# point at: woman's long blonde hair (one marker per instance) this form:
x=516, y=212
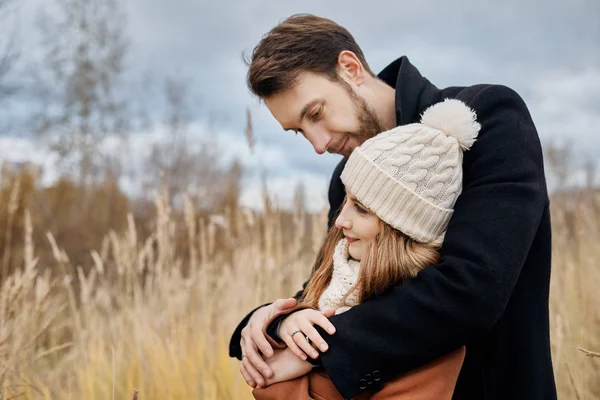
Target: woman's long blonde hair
x=390, y=259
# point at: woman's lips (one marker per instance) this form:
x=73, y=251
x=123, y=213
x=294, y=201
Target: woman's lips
x=351, y=240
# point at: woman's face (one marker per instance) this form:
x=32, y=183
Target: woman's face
x=360, y=226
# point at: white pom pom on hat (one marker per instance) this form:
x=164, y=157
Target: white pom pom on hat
x=455, y=119
x=412, y=175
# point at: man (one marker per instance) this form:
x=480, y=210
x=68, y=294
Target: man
x=490, y=289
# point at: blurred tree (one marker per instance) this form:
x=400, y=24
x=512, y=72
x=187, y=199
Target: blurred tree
x=82, y=70
x=180, y=164
x=17, y=190
x=232, y=187
x=8, y=53
x=299, y=203
x=590, y=168
x=559, y=159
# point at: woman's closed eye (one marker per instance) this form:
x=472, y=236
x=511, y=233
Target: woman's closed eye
x=360, y=209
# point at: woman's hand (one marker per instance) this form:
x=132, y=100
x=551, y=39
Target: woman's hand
x=286, y=366
x=297, y=327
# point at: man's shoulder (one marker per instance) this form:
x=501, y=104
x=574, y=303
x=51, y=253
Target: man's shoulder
x=504, y=117
x=483, y=95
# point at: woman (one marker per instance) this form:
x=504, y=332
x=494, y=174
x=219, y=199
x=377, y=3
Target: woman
x=401, y=187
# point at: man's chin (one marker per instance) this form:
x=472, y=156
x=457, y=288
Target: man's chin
x=347, y=153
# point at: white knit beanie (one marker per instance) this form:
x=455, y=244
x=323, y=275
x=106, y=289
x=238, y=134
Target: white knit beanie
x=411, y=176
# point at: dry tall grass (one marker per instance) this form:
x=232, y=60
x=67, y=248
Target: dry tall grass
x=574, y=296
x=145, y=316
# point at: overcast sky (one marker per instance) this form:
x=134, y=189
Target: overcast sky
x=549, y=51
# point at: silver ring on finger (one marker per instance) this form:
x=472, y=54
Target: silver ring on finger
x=296, y=331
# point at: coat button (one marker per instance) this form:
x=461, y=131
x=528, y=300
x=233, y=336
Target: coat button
x=362, y=384
x=376, y=376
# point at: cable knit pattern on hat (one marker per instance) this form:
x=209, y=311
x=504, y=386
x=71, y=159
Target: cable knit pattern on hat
x=345, y=275
x=411, y=176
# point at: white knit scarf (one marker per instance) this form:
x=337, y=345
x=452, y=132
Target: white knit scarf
x=345, y=275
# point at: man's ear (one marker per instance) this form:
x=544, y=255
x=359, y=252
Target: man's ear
x=350, y=68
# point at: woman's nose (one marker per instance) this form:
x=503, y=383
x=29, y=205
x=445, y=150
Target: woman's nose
x=343, y=223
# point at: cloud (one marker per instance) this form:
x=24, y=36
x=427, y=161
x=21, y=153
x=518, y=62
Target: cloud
x=282, y=191
x=269, y=162
x=548, y=53
x=566, y=107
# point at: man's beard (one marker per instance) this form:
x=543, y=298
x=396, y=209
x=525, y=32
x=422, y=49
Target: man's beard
x=369, y=124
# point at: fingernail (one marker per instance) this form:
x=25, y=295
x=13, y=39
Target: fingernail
x=331, y=330
x=323, y=347
x=267, y=373
x=304, y=358
x=315, y=355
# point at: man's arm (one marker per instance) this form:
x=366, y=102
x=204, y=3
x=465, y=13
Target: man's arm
x=235, y=349
x=488, y=239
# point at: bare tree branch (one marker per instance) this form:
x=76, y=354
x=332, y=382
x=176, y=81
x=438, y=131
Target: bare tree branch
x=8, y=52
x=178, y=163
x=85, y=48
x=590, y=168
x=560, y=161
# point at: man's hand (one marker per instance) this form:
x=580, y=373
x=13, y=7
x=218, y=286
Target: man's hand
x=286, y=366
x=295, y=328
x=253, y=367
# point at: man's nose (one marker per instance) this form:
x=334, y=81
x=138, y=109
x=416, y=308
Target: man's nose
x=320, y=140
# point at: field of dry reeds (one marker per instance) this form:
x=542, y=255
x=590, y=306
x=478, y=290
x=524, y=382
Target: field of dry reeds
x=151, y=308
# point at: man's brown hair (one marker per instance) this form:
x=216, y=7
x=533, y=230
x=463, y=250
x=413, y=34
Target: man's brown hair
x=301, y=43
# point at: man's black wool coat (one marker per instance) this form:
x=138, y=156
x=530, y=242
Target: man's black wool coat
x=490, y=289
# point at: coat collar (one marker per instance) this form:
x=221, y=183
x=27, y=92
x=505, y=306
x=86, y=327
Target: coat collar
x=414, y=93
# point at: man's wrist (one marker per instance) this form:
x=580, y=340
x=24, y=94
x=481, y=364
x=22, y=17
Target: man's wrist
x=273, y=328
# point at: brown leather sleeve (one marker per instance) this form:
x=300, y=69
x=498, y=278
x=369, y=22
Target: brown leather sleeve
x=435, y=380
x=314, y=386
x=288, y=311
x=296, y=389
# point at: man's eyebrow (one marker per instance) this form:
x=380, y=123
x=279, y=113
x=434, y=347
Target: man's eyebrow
x=305, y=110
